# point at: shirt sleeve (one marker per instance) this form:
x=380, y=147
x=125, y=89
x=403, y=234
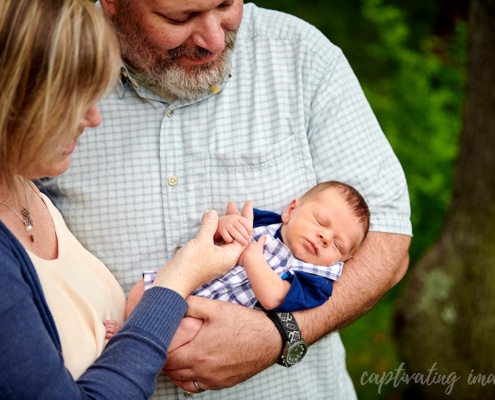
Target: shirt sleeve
x=342, y=123
x=306, y=291
x=264, y=218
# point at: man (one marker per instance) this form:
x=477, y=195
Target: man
x=221, y=101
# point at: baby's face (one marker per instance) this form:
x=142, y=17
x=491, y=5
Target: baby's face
x=322, y=230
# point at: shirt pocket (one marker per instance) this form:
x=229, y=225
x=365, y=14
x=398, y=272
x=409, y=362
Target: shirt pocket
x=271, y=177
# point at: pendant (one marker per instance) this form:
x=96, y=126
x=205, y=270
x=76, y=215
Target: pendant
x=28, y=222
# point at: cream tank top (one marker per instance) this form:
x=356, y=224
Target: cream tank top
x=81, y=293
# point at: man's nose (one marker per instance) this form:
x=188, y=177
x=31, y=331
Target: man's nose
x=209, y=33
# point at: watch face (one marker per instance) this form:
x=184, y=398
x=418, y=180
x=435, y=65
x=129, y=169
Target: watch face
x=296, y=352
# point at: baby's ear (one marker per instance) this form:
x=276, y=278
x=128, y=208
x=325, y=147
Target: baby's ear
x=288, y=211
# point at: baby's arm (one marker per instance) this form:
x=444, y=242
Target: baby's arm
x=269, y=288
x=234, y=226
x=135, y=295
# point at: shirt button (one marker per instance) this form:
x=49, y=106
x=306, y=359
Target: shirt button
x=177, y=249
x=172, y=180
x=169, y=113
x=188, y=394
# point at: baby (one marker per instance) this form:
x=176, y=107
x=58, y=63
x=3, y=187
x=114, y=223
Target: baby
x=306, y=245
x=290, y=260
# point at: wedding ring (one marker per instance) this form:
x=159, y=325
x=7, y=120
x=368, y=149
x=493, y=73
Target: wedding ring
x=196, y=384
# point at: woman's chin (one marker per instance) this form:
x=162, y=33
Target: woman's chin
x=54, y=169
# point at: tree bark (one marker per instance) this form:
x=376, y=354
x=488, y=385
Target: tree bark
x=445, y=318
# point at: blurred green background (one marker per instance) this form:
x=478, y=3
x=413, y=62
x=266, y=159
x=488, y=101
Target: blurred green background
x=410, y=59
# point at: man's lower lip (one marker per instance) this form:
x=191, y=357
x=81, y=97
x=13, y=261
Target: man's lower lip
x=199, y=61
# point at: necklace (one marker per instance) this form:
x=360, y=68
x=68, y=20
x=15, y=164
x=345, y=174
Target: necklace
x=24, y=216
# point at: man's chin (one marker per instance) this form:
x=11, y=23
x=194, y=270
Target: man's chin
x=190, y=85
x=182, y=80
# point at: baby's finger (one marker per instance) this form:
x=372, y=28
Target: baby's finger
x=261, y=242
x=232, y=209
x=247, y=211
x=226, y=236
x=241, y=237
x=246, y=227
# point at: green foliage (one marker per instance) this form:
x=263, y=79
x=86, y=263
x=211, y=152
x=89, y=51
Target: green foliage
x=418, y=101
x=371, y=351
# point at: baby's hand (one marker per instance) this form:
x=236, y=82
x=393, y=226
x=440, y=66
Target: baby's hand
x=252, y=250
x=234, y=226
x=112, y=327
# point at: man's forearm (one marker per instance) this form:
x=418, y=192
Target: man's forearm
x=380, y=263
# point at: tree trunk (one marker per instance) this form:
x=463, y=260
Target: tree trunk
x=445, y=318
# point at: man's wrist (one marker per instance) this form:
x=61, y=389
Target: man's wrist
x=294, y=346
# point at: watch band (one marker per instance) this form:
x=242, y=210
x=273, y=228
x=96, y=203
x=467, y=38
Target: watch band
x=293, y=345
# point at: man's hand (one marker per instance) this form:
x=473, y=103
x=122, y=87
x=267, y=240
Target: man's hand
x=188, y=329
x=233, y=344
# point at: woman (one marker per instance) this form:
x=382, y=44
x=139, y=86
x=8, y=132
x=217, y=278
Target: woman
x=57, y=58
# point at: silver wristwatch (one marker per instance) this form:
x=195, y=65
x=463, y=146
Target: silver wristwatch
x=293, y=345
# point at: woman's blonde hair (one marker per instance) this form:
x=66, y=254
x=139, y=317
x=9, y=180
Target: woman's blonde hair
x=57, y=58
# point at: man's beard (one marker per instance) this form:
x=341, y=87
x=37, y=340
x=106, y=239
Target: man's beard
x=162, y=73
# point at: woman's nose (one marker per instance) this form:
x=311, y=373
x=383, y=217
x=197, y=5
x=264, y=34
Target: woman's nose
x=92, y=117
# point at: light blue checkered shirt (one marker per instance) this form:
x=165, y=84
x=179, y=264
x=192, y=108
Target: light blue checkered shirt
x=290, y=115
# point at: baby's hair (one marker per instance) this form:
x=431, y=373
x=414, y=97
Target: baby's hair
x=351, y=196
